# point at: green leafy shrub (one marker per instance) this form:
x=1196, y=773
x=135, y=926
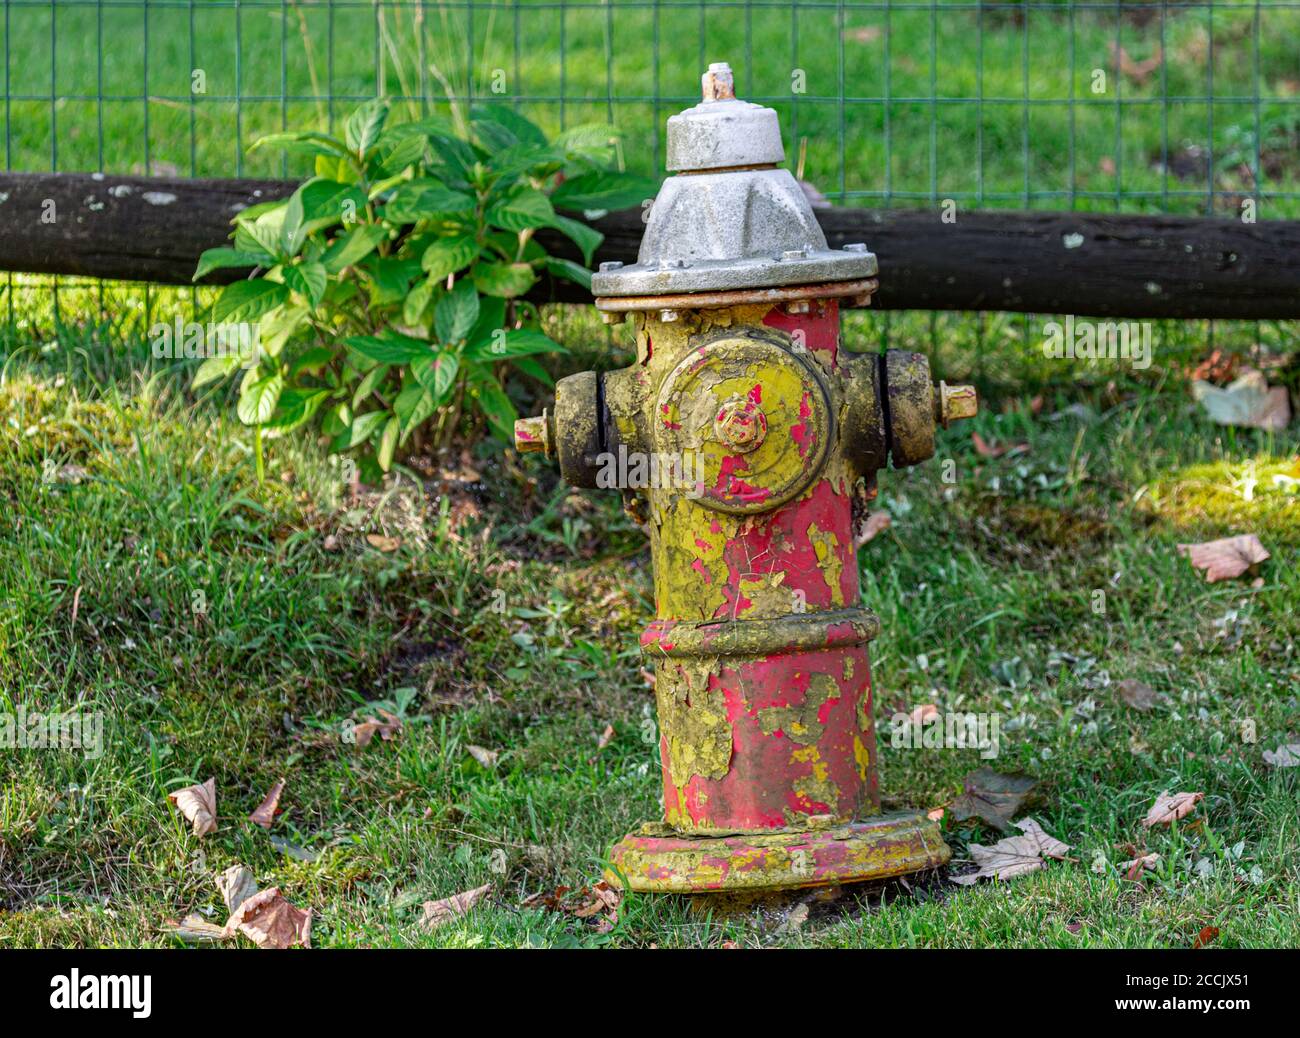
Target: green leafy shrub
x=387, y=291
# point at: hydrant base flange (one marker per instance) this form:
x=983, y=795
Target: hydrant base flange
x=657, y=859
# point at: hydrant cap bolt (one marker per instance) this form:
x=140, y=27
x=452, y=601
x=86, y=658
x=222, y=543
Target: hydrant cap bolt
x=740, y=425
x=952, y=403
x=718, y=83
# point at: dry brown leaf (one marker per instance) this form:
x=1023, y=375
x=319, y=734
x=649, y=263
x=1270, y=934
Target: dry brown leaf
x=992, y=797
x=436, y=913
x=605, y=737
x=991, y=450
x=1136, y=694
x=237, y=885
x=264, y=814
x=486, y=757
x=195, y=928
x=381, y=543
x=270, y=921
x=1287, y=756
x=1144, y=863
x=198, y=804
x=1170, y=807
x=877, y=523
x=1225, y=558
x=386, y=729
x=1015, y=855
x=1138, y=71
x=1207, y=934
x=1247, y=401
x=923, y=713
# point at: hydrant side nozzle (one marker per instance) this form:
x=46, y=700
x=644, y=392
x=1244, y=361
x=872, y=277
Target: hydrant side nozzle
x=954, y=403
x=534, y=434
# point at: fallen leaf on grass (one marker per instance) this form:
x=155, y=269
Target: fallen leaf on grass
x=992, y=797
x=264, y=814
x=876, y=523
x=436, y=913
x=1207, y=934
x=1287, y=756
x=1144, y=863
x=600, y=899
x=923, y=713
x=1136, y=694
x=1225, y=558
x=990, y=450
x=1248, y=401
x=237, y=885
x=198, y=805
x=195, y=928
x=381, y=543
x=386, y=729
x=486, y=757
x=270, y=921
x=1015, y=855
x=1138, y=71
x=605, y=737
x=1170, y=807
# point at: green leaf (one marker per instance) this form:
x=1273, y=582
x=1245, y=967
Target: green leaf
x=496, y=407
x=455, y=313
x=309, y=280
x=363, y=427
x=313, y=362
x=294, y=408
x=258, y=394
x=215, y=368
x=448, y=255
x=390, y=278
x=508, y=125
x=416, y=303
x=313, y=143
x=567, y=269
x=388, y=443
x=413, y=406
x=517, y=342
x=369, y=384
x=389, y=347
x=263, y=233
x=395, y=152
x=222, y=257
x=591, y=141
x=437, y=374
x=530, y=367
x=326, y=202
x=248, y=300
x=279, y=325
x=491, y=316
x=587, y=238
x=604, y=189
x=507, y=280
x=426, y=199
x=523, y=209
x=365, y=125
x=353, y=246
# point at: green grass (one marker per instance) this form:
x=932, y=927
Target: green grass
x=296, y=641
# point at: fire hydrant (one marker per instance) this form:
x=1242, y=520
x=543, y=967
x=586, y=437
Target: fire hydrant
x=761, y=438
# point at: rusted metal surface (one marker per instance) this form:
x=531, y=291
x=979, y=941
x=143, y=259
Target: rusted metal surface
x=659, y=860
x=860, y=291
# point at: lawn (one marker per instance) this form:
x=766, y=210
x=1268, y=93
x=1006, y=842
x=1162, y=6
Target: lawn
x=241, y=631
x=236, y=631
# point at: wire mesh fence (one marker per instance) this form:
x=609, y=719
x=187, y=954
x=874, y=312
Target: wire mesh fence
x=1177, y=107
